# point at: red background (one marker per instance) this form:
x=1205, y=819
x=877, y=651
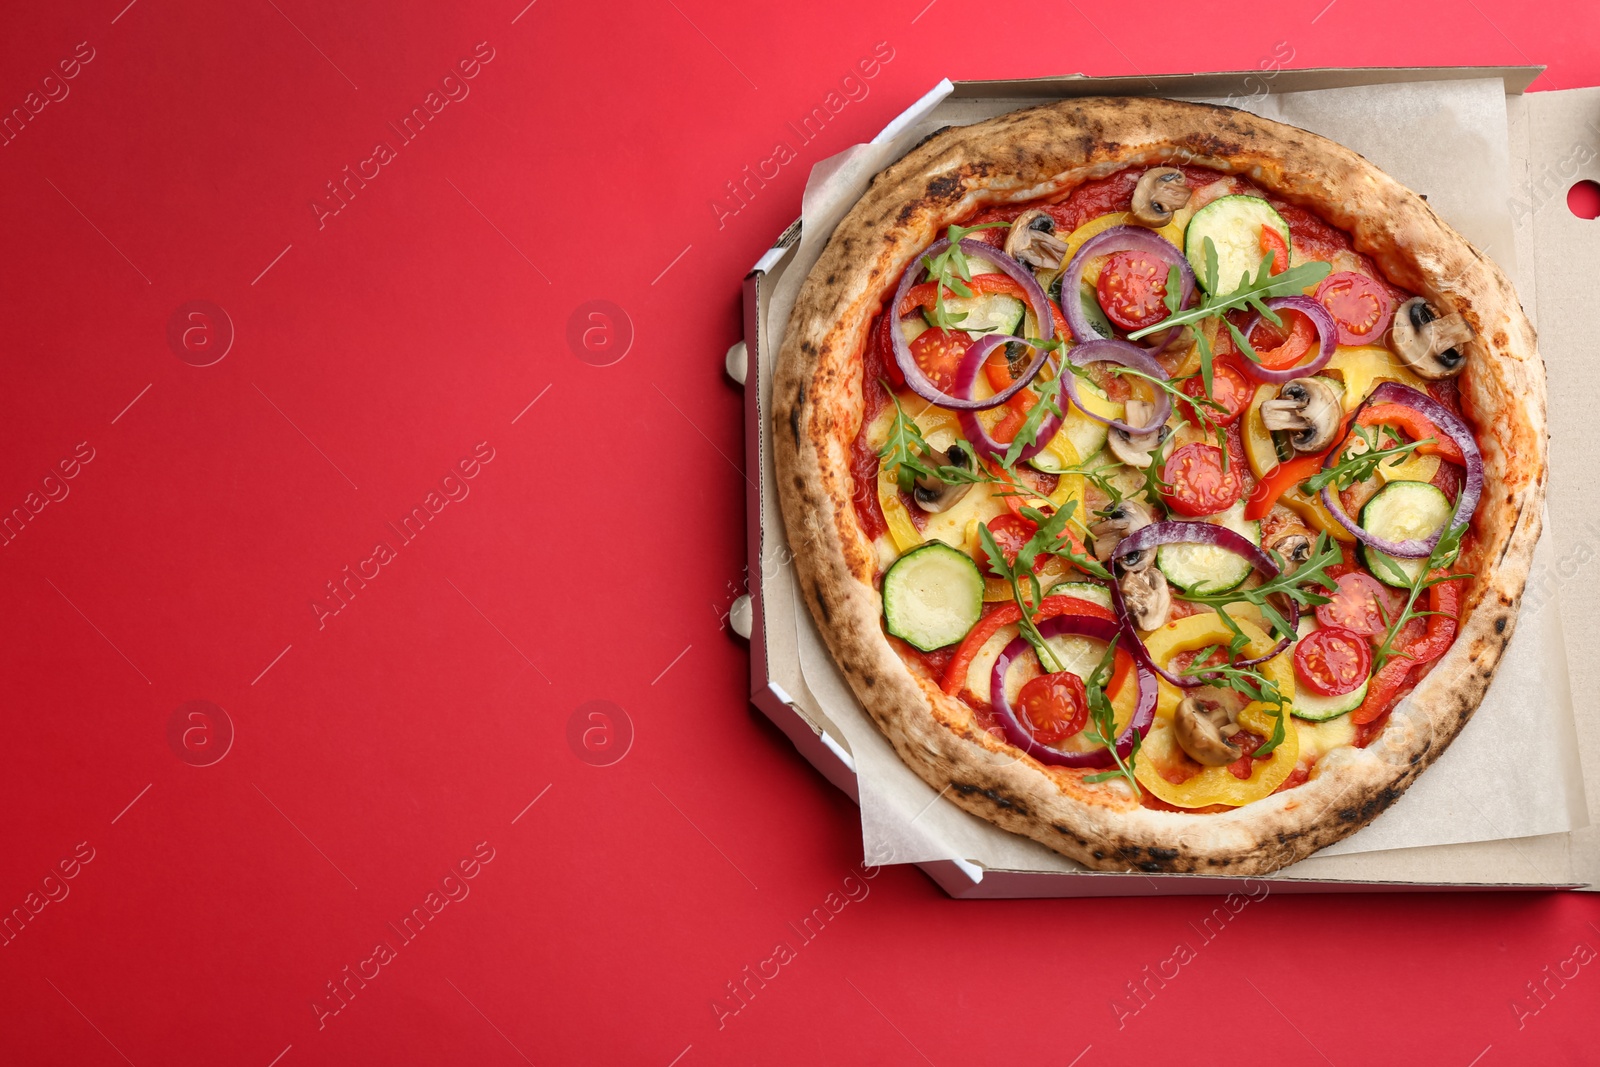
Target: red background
x=593, y=560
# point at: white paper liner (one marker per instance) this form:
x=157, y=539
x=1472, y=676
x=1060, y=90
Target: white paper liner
x=1513, y=772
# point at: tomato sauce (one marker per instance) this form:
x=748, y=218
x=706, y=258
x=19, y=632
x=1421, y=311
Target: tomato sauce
x=1311, y=236
x=984, y=715
x=863, y=456
x=1088, y=201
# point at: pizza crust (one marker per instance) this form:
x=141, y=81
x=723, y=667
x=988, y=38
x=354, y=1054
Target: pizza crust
x=1045, y=152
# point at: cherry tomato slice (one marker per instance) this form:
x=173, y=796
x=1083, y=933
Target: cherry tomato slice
x=1198, y=485
x=1358, y=605
x=1361, y=307
x=1272, y=241
x=1332, y=661
x=1230, y=387
x=1131, y=288
x=939, y=353
x=1053, y=707
x=1010, y=532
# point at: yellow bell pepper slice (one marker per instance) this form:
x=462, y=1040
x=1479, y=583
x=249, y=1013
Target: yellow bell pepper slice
x=902, y=531
x=1075, y=240
x=1361, y=368
x=1216, y=785
x=1259, y=450
x=1262, y=456
x=1413, y=466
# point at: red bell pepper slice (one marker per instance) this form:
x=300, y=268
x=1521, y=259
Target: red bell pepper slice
x=1417, y=425
x=956, y=673
x=1272, y=241
x=1382, y=692
x=1267, y=491
x=923, y=296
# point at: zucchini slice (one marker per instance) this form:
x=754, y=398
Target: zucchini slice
x=986, y=313
x=1207, y=568
x=1234, y=225
x=1094, y=594
x=1316, y=708
x=932, y=596
x=1401, y=511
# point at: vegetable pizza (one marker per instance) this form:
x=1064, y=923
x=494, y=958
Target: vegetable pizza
x=1164, y=479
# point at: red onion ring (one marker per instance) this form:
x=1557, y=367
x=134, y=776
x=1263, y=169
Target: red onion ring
x=1144, y=711
x=1447, y=422
x=1192, y=533
x=971, y=428
x=1327, y=338
x=919, y=382
x=1119, y=239
x=1127, y=354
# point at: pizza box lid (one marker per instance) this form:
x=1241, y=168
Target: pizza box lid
x=1551, y=253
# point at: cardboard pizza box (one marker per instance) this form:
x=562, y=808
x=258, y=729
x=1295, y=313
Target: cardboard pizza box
x=1551, y=254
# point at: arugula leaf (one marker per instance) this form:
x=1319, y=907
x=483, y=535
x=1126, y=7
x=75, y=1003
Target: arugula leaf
x=1051, y=539
x=1049, y=404
x=1104, y=717
x=1443, y=554
x=1251, y=293
x=902, y=453
x=1313, y=572
x=951, y=271
x=1361, y=466
x=1014, y=573
x=1174, y=289
x=1248, y=682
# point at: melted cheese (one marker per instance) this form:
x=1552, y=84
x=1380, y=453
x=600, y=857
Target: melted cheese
x=1317, y=739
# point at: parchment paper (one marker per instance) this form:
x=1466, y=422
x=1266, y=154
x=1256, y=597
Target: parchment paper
x=1513, y=771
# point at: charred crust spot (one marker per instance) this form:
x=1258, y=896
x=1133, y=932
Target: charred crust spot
x=822, y=606
x=868, y=680
x=794, y=413
x=1372, y=807
x=993, y=797
x=832, y=279
x=1168, y=854
x=1500, y=624
x=1151, y=866
x=928, y=138
x=944, y=187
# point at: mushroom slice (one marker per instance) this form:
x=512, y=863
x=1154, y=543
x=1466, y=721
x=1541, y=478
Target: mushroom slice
x=1289, y=537
x=1204, y=722
x=935, y=494
x=1430, y=345
x=1032, y=240
x=1293, y=546
x=1145, y=593
x=1160, y=192
x=1309, y=409
x=1124, y=518
x=1135, y=449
